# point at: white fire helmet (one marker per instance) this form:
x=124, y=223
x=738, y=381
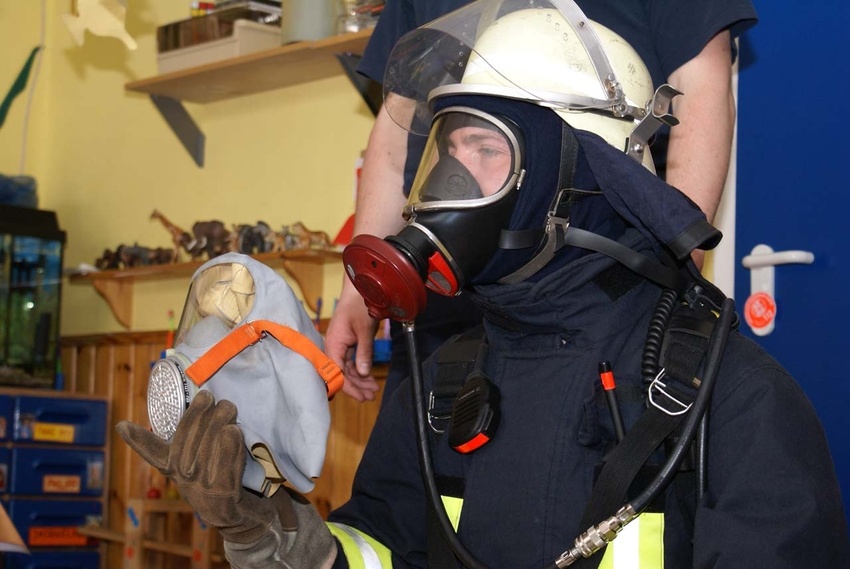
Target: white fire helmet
x=245, y=337
x=542, y=51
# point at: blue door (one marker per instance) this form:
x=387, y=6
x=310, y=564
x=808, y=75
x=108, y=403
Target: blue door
x=793, y=193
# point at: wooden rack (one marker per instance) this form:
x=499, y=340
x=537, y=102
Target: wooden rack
x=116, y=285
x=145, y=533
x=291, y=64
x=284, y=66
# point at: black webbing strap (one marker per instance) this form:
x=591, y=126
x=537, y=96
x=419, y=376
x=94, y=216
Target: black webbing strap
x=683, y=351
x=620, y=469
x=455, y=361
x=440, y=554
x=684, y=347
x=685, y=344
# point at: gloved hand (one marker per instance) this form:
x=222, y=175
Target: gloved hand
x=206, y=460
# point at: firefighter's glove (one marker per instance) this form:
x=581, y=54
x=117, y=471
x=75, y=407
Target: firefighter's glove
x=206, y=460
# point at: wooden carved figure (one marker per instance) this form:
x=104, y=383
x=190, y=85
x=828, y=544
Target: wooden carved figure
x=210, y=237
x=180, y=237
x=297, y=236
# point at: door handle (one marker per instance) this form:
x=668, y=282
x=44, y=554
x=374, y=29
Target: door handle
x=768, y=258
x=760, y=308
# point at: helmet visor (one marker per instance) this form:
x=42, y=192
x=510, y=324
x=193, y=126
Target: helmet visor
x=458, y=49
x=471, y=158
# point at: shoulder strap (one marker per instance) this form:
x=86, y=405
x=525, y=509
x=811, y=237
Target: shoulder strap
x=455, y=361
x=683, y=350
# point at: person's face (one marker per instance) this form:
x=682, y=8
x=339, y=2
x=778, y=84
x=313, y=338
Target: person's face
x=485, y=153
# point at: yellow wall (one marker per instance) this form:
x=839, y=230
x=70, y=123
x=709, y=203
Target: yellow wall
x=104, y=158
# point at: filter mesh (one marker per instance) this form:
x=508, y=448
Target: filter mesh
x=167, y=398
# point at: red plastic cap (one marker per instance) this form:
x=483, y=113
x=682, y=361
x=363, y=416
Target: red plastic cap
x=385, y=278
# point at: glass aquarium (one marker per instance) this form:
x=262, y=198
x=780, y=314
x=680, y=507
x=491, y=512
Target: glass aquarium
x=31, y=246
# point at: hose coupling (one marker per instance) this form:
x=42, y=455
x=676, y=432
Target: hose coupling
x=597, y=537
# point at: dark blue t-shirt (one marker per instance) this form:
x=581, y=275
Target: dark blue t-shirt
x=665, y=33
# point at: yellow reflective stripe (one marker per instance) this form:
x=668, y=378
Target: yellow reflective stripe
x=639, y=546
x=607, y=559
x=652, y=540
x=362, y=551
x=453, y=508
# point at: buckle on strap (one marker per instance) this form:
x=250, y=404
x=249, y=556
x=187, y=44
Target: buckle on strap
x=665, y=398
x=434, y=416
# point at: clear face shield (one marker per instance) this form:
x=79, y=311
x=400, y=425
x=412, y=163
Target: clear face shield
x=460, y=49
x=471, y=159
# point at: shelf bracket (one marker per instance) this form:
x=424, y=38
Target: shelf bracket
x=308, y=276
x=182, y=125
x=119, y=296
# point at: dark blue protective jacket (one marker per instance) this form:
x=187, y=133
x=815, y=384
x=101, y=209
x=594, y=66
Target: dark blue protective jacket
x=772, y=501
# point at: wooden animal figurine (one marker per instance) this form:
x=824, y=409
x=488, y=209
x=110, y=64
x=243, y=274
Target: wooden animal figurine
x=251, y=239
x=128, y=256
x=109, y=260
x=179, y=237
x=210, y=237
x=297, y=236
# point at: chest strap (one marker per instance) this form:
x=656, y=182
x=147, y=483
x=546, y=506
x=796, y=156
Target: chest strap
x=456, y=361
x=669, y=399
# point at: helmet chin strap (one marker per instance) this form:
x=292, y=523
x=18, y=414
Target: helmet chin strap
x=558, y=233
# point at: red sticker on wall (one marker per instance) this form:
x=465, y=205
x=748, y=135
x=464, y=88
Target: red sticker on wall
x=760, y=310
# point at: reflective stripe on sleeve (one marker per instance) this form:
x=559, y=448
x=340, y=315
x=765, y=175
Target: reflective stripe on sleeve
x=361, y=550
x=639, y=546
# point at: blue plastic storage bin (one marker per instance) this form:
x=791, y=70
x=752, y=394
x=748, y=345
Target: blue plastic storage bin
x=6, y=404
x=51, y=524
x=56, y=472
x=5, y=469
x=60, y=421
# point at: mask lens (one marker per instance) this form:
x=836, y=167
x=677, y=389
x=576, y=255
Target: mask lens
x=469, y=158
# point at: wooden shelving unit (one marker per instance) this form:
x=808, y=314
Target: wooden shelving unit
x=288, y=65
x=116, y=286
x=142, y=529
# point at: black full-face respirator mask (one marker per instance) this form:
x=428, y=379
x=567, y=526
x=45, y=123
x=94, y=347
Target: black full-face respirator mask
x=462, y=198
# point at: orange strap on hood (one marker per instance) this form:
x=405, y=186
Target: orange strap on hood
x=252, y=332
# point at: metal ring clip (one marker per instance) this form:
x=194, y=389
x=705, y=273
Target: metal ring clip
x=659, y=386
x=432, y=417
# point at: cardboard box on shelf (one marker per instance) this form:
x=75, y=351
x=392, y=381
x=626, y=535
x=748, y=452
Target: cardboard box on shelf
x=247, y=37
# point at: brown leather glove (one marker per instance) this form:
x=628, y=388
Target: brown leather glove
x=206, y=460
